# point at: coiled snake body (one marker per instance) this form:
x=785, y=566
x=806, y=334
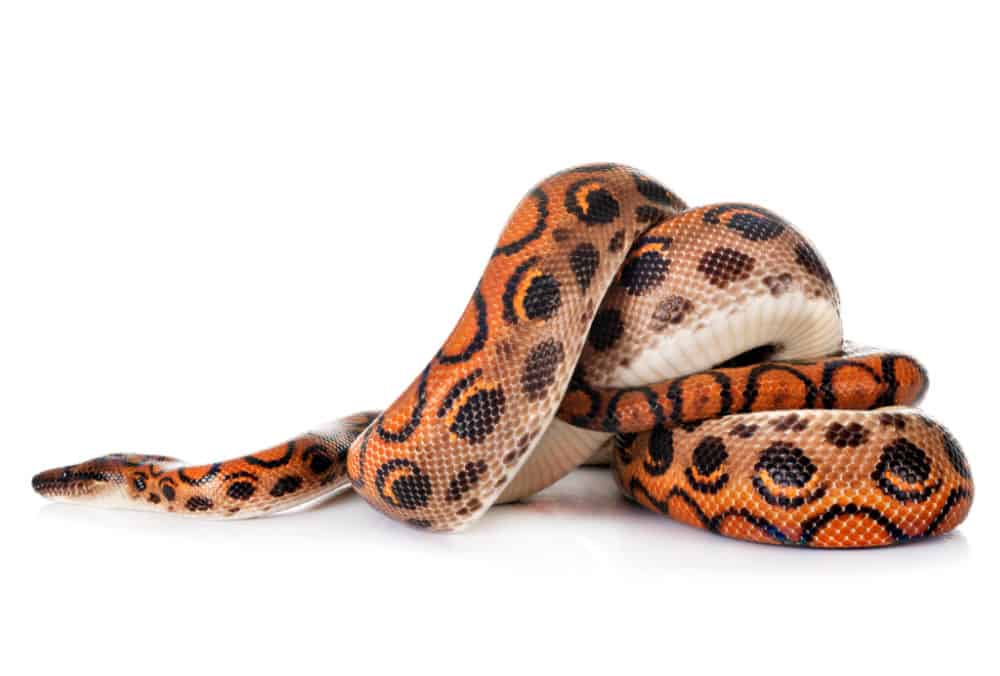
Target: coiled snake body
x=698, y=350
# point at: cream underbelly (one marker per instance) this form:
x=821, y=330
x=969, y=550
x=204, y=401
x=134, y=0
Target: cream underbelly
x=798, y=327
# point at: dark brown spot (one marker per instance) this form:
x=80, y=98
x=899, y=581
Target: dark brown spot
x=724, y=265
x=584, y=261
x=540, y=368
x=851, y=434
x=790, y=422
x=786, y=464
x=240, y=490
x=643, y=273
x=709, y=455
x=479, y=415
x=617, y=242
x=892, y=420
x=673, y=310
x=778, y=284
x=465, y=479
x=285, y=485
x=743, y=430
x=907, y=461
x=542, y=298
x=199, y=503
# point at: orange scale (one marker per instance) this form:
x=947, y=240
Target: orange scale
x=632, y=412
x=910, y=381
x=856, y=388
x=466, y=332
x=576, y=403
x=955, y=516
x=701, y=397
x=583, y=192
x=522, y=222
x=777, y=390
x=851, y=530
x=681, y=511
x=907, y=487
x=735, y=526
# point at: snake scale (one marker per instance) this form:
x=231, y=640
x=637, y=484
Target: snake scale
x=699, y=351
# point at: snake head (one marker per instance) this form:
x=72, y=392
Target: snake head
x=92, y=479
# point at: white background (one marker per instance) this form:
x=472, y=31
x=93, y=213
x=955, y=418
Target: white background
x=223, y=223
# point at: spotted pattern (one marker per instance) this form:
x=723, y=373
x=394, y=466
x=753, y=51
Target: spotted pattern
x=273, y=480
x=584, y=260
x=597, y=266
x=541, y=366
x=725, y=265
x=751, y=222
x=885, y=489
x=672, y=310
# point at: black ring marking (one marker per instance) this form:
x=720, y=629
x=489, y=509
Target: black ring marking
x=751, y=391
x=456, y=391
x=831, y=368
x=610, y=423
x=510, y=290
x=408, y=492
x=675, y=393
x=203, y=479
x=602, y=207
x=787, y=466
x=542, y=205
x=415, y=416
x=708, y=457
x=904, y=456
x=711, y=524
x=954, y=496
x=478, y=341
x=661, y=450
x=278, y=462
x=812, y=526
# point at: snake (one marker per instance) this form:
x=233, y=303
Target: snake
x=698, y=351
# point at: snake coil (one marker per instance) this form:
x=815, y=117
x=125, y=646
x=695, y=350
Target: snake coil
x=699, y=351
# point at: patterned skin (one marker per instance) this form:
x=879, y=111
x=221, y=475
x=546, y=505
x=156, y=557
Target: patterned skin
x=856, y=379
x=306, y=468
x=816, y=478
x=609, y=303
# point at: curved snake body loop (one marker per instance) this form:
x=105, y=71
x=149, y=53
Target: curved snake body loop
x=697, y=350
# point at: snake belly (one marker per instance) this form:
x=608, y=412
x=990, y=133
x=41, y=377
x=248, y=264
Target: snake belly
x=614, y=324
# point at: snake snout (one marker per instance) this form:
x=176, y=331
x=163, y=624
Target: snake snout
x=74, y=481
x=50, y=482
